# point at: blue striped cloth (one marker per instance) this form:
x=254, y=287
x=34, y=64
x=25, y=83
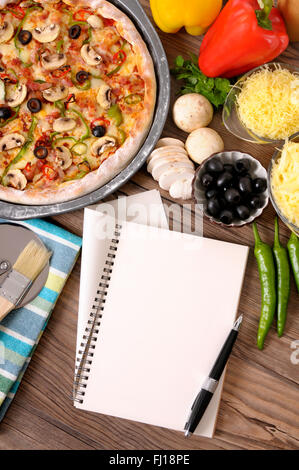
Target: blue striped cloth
x=22, y=329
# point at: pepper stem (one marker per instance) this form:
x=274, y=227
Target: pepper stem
x=263, y=14
x=293, y=238
x=257, y=238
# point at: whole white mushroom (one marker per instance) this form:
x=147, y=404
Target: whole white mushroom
x=202, y=143
x=192, y=111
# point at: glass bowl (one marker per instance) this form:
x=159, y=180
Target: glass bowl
x=276, y=155
x=230, y=114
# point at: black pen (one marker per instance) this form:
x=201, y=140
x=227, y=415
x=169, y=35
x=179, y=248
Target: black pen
x=208, y=389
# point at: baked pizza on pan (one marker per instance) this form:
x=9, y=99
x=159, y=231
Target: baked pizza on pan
x=77, y=96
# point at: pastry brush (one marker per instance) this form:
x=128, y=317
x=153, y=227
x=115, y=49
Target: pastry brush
x=28, y=266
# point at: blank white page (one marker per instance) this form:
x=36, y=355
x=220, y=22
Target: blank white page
x=171, y=303
x=144, y=208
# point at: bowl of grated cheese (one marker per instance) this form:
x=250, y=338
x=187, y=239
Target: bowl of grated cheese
x=283, y=182
x=263, y=106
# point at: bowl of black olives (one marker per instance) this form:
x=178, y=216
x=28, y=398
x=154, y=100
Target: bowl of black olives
x=232, y=187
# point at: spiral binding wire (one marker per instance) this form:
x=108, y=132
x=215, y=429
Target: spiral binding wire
x=88, y=344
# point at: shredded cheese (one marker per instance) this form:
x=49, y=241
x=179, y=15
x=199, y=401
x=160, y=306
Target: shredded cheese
x=285, y=182
x=268, y=103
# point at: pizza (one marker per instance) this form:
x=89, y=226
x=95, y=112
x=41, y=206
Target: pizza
x=77, y=96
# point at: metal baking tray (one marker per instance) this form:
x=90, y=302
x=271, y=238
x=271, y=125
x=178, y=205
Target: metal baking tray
x=134, y=10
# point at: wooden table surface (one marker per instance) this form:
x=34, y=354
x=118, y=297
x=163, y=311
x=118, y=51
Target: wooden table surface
x=259, y=407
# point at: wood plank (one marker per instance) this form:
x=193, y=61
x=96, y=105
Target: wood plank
x=259, y=407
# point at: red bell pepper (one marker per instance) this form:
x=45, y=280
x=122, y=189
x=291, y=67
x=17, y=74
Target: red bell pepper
x=81, y=15
x=243, y=37
x=120, y=57
x=49, y=172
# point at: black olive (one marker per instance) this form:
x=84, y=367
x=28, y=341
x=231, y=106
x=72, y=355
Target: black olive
x=242, y=166
x=207, y=180
x=34, y=105
x=24, y=37
x=228, y=186
x=75, y=31
x=82, y=76
x=41, y=152
x=99, y=131
x=229, y=168
x=232, y=196
x=242, y=212
x=211, y=193
x=223, y=203
x=5, y=112
x=255, y=202
x=224, y=180
x=226, y=216
x=213, y=207
x=245, y=185
x=259, y=185
x=214, y=166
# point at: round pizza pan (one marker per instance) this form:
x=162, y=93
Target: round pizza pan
x=133, y=9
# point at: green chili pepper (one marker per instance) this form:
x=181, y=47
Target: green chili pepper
x=89, y=38
x=52, y=135
x=114, y=71
x=293, y=249
x=68, y=13
x=72, y=22
x=59, y=45
x=16, y=110
x=39, y=81
x=283, y=280
x=115, y=113
x=84, y=86
x=78, y=176
x=134, y=98
x=87, y=133
x=28, y=11
x=24, y=149
x=123, y=136
x=266, y=267
x=59, y=139
x=60, y=106
x=79, y=22
x=82, y=147
x=14, y=74
x=68, y=137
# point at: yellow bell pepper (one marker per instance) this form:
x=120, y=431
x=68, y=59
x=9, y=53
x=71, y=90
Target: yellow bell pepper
x=195, y=15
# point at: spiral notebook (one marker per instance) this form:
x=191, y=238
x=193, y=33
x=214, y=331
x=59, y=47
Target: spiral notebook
x=164, y=305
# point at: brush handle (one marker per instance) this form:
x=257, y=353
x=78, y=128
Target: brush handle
x=5, y=307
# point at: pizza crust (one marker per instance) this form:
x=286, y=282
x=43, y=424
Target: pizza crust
x=124, y=155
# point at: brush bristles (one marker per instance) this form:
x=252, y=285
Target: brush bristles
x=32, y=260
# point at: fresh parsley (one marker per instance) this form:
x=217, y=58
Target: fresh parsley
x=214, y=89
